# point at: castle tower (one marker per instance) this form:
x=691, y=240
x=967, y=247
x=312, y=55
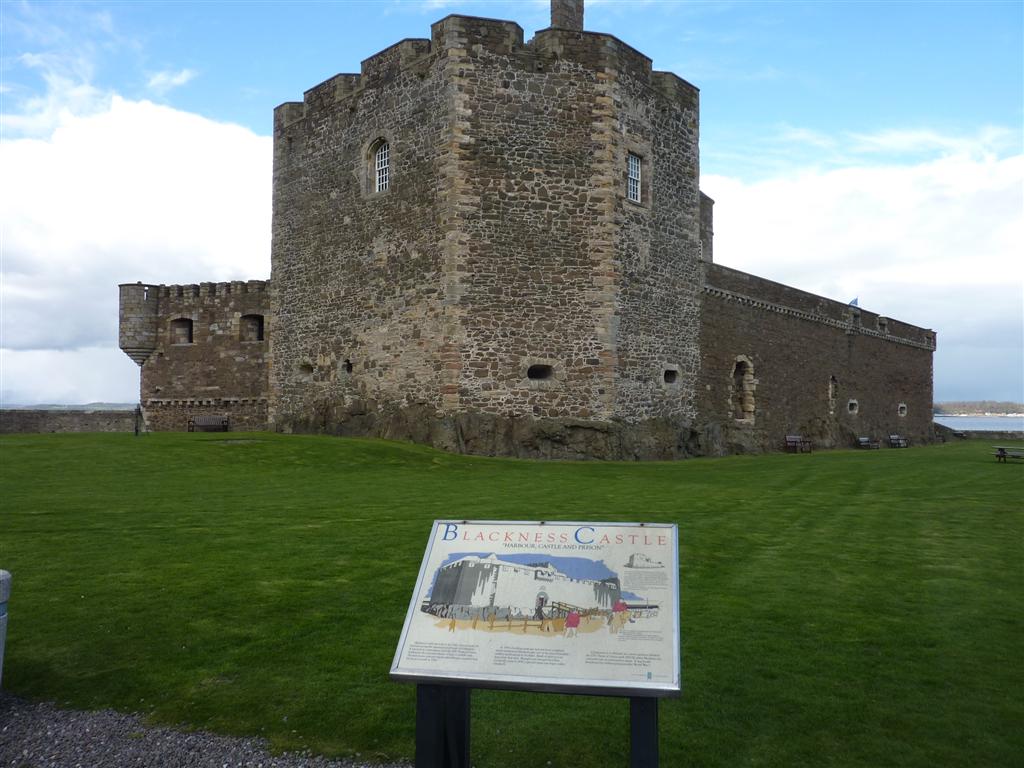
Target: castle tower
x=138, y=312
x=477, y=225
x=500, y=247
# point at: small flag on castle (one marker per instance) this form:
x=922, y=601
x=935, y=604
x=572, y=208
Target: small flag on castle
x=854, y=302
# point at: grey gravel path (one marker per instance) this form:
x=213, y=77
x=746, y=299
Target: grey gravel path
x=43, y=736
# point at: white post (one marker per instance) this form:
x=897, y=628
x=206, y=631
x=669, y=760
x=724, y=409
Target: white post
x=5, y=593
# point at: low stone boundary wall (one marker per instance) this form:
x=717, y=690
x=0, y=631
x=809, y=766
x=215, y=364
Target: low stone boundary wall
x=18, y=421
x=948, y=434
x=974, y=434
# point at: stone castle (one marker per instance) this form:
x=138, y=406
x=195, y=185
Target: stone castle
x=501, y=247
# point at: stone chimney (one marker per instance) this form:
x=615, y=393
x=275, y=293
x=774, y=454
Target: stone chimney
x=567, y=14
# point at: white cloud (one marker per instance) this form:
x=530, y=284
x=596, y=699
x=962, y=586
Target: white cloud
x=775, y=153
x=87, y=375
x=63, y=98
x=935, y=243
x=136, y=191
x=162, y=82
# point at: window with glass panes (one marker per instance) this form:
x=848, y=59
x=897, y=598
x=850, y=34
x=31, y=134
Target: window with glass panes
x=633, y=191
x=382, y=167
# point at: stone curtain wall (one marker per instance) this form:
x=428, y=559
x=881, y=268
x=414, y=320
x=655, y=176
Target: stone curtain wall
x=361, y=277
x=41, y=421
x=244, y=414
x=796, y=342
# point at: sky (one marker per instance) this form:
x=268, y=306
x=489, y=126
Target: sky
x=868, y=150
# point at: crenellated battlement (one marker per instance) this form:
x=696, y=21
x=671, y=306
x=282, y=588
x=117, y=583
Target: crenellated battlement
x=461, y=35
x=233, y=288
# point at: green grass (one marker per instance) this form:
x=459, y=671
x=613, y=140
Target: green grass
x=839, y=608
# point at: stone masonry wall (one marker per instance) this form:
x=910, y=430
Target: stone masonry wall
x=657, y=248
x=820, y=368
x=536, y=285
x=40, y=421
x=361, y=277
x=244, y=414
x=223, y=370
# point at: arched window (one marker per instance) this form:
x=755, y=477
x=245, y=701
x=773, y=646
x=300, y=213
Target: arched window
x=181, y=331
x=250, y=328
x=380, y=157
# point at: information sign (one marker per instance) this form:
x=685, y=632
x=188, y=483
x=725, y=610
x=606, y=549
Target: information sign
x=572, y=607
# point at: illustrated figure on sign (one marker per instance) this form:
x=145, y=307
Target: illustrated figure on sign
x=618, y=617
x=572, y=623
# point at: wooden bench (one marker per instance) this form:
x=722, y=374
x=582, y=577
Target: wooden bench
x=898, y=441
x=798, y=444
x=208, y=423
x=1002, y=454
x=867, y=442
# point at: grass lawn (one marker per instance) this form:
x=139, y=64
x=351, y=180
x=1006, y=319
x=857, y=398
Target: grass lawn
x=838, y=608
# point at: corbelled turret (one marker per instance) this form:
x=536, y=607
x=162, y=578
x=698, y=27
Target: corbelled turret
x=138, y=318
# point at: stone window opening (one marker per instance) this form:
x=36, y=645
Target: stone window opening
x=901, y=410
x=671, y=376
x=181, y=331
x=883, y=325
x=742, y=391
x=347, y=365
x=540, y=372
x=634, y=188
x=380, y=158
x=833, y=391
x=250, y=328
x=853, y=407
x=306, y=371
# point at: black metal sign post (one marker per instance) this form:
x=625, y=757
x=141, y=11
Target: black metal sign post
x=442, y=728
x=643, y=732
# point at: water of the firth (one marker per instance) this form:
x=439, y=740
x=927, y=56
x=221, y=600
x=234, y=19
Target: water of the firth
x=982, y=423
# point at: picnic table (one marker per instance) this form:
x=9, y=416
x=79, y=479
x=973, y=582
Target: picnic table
x=1002, y=453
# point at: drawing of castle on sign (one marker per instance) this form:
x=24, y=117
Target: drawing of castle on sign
x=529, y=593
x=636, y=560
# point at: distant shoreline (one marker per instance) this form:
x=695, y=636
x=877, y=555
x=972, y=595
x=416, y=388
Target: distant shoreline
x=980, y=414
x=60, y=407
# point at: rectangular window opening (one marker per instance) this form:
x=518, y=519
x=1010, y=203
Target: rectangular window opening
x=633, y=191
